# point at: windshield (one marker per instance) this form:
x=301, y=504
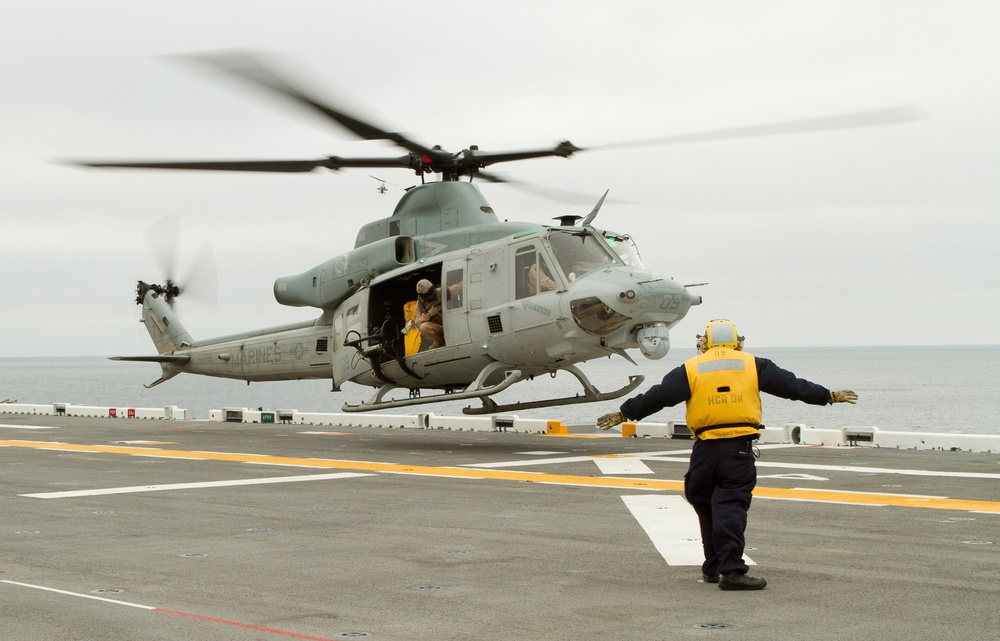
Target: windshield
x=597, y=318
x=626, y=250
x=579, y=253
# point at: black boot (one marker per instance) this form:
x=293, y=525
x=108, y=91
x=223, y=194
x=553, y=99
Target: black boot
x=736, y=581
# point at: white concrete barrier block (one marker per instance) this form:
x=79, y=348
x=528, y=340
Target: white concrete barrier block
x=461, y=423
x=26, y=408
x=445, y=423
x=101, y=411
x=938, y=441
x=794, y=431
x=310, y=418
x=174, y=412
x=91, y=410
x=391, y=420
x=654, y=430
x=529, y=425
x=679, y=430
x=813, y=436
x=345, y=418
x=781, y=434
x=858, y=435
x=233, y=414
x=350, y=419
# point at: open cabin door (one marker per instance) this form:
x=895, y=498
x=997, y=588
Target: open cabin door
x=393, y=302
x=376, y=343
x=456, y=316
x=349, y=324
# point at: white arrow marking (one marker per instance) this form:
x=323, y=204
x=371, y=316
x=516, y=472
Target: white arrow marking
x=28, y=427
x=192, y=486
x=672, y=525
x=795, y=477
x=622, y=465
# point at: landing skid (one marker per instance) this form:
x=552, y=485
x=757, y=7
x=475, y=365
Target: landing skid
x=475, y=390
x=483, y=392
x=590, y=395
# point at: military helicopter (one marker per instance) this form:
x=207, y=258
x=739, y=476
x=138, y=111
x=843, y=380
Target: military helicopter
x=518, y=299
x=383, y=185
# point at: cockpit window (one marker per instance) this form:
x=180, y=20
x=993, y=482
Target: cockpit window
x=580, y=253
x=532, y=273
x=626, y=250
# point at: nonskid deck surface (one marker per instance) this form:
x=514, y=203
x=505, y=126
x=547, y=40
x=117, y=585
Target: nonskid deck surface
x=169, y=529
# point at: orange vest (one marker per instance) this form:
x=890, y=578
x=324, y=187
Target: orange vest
x=725, y=397
x=411, y=342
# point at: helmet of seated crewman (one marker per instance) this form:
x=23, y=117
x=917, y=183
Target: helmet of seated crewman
x=424, y=286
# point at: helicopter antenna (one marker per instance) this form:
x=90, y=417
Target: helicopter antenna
x=593, y=214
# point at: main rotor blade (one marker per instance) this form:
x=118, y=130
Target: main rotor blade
x=565, y=149
x=251, y=69
x=279, y=166
x=878, y=117
x=291, y=166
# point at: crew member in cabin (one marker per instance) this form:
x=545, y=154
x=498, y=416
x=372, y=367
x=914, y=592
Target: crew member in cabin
x=539, y=279
x=721, y=388
x=428, y=320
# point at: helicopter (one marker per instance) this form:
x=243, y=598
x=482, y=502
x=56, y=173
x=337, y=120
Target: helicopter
x=517, y=299
x=383, y=185
x=383, y=188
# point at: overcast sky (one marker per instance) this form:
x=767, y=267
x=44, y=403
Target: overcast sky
x=869, y=236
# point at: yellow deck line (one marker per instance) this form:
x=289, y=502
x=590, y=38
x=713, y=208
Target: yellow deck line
x=858, y=498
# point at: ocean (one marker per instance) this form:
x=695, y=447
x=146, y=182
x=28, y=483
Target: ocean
x=911, y=389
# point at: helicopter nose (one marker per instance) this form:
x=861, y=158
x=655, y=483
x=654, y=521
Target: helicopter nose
x=669, y=301
x=629, y=308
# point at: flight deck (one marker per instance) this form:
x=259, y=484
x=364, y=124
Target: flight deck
x=182, y=529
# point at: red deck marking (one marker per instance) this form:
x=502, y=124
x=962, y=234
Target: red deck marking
x=199, y=617
x=249, y=626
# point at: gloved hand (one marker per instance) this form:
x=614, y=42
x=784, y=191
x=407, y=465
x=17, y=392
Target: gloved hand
x=608, y=421
x=843, y=396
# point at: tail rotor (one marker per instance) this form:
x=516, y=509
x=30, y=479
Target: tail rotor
x=201, y=280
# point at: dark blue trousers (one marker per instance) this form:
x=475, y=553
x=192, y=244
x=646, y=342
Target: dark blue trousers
x=719, y=485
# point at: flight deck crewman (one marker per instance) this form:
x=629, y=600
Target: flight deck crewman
x=428, y=319
x=722, y=389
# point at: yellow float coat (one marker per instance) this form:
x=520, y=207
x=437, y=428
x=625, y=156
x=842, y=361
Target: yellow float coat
x=725, y=397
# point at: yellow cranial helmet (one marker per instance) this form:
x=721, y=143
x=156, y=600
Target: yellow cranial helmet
x=720, y=333
x=424, y=286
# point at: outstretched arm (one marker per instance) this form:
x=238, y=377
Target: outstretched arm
x=780, y=382
x=673, y=389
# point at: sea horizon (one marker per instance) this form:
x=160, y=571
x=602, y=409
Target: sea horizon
x=941, y=388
